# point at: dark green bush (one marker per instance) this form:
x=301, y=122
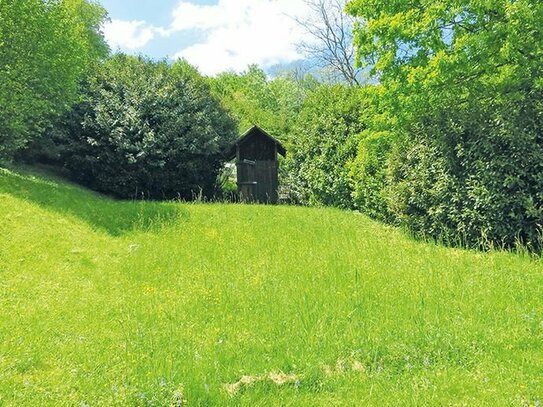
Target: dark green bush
x=146, y=129
x=471, y=176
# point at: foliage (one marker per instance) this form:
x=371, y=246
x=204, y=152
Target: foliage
x=122, y=303
x=45, y=47
x=146, y=129
x=474, y=179
x=324, y=141
x=368, y=171
x=368, y=175
x=461, y=84
x=449, y=47
x=252, y=98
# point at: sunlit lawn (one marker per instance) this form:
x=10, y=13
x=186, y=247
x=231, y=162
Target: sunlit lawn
x=119, y=303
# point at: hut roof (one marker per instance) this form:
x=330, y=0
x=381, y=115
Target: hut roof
x=254, y=131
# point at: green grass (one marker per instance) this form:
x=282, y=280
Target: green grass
x=126, y=303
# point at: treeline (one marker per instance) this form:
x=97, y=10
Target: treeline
x=126, y=126
x=446, y=139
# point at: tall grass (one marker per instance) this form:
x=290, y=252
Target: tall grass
x=124, y=303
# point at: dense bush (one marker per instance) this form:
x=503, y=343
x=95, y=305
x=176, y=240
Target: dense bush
x=369, y=175
x=324, y=141
x=469, y=176
x=475, y=179
x=146, y=129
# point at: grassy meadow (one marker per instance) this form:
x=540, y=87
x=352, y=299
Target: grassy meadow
x=115, y=303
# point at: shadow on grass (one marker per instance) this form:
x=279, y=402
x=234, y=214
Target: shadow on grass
x=100, y=212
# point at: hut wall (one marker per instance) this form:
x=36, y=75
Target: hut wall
x=257, y=150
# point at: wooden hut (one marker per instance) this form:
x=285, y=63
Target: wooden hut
x=256, y=154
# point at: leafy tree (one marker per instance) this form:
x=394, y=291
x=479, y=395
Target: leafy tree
x=147, y=129
x=437, y=54
x=253, y=98
x=461, y=87
x=45, y=47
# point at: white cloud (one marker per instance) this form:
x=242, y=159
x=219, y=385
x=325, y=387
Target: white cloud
x=129, y=34
x=241, y=32
x=236, y=33
x=187, y=16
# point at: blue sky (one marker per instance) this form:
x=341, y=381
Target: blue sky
x=214, y=35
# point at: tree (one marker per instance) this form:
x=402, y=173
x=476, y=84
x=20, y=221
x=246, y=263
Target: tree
x=146, y=129
x=330, y=31
x=253, y=98
x=434, y=53
x=45, y=47
x=461, y=90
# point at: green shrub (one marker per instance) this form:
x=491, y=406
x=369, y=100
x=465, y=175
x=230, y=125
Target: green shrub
x=324, y=141
x=475, y=178
x=368, y=175
x=147, y=129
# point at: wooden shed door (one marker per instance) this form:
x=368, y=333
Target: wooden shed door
x=247, y=182
x=267, y=181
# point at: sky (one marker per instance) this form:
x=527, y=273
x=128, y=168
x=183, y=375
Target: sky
x=214, y=35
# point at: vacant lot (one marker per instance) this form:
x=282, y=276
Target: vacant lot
x=116, y=303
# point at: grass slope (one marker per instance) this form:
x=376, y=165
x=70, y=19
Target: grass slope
x=117, y=303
